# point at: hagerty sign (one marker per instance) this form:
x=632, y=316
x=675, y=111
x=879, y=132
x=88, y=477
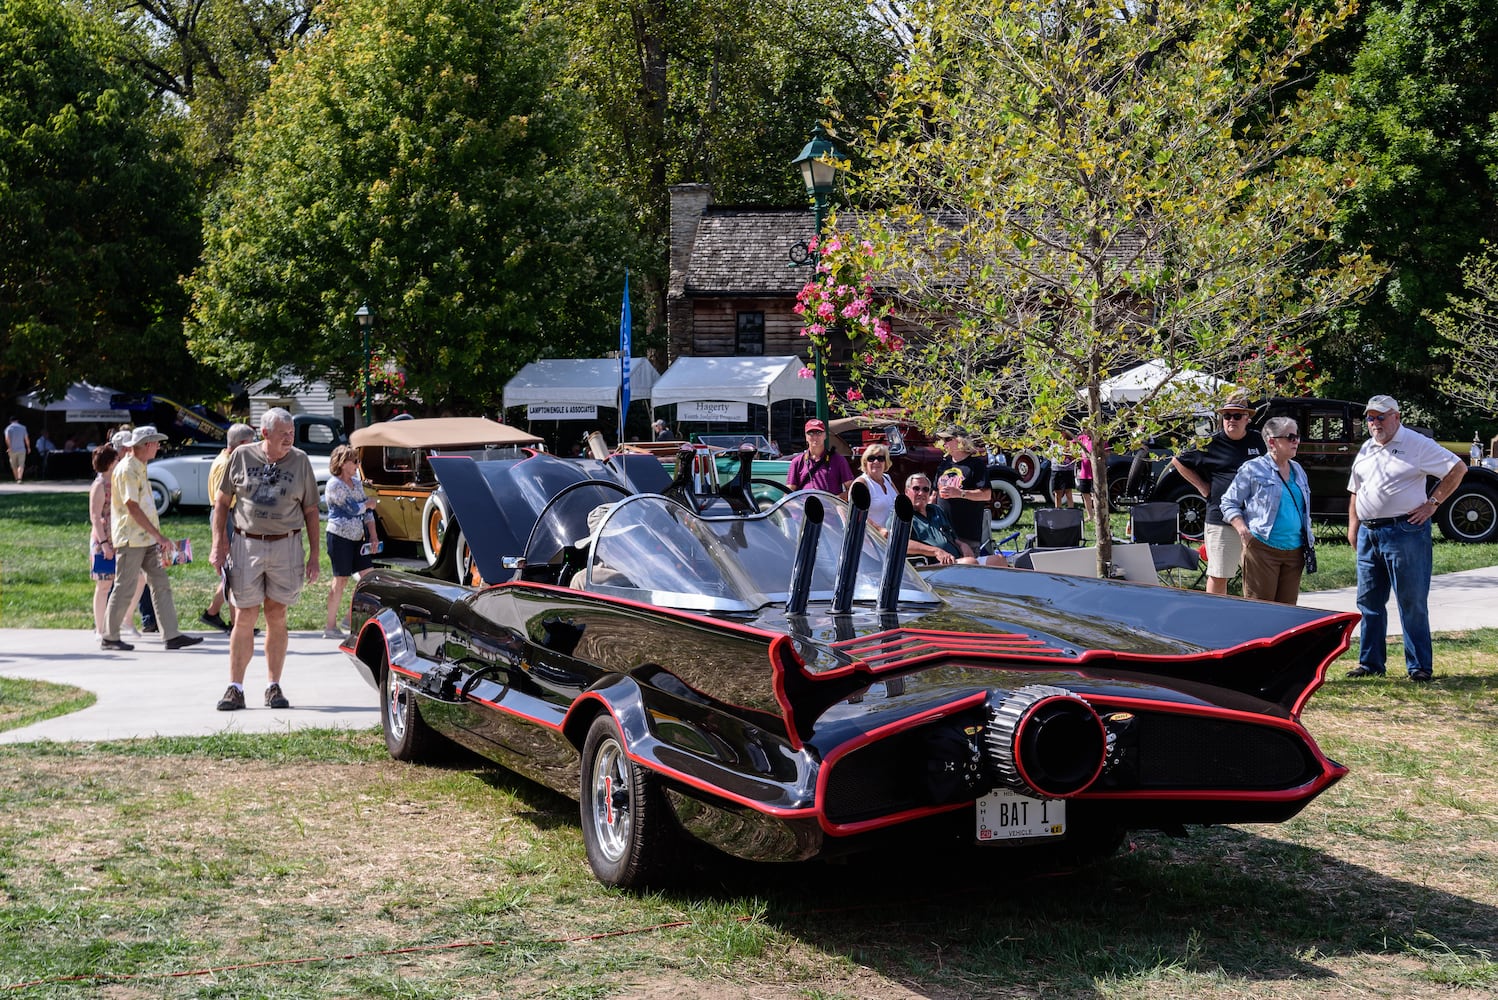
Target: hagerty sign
x=709, y=410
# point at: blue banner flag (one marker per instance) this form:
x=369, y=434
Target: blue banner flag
x=624, y=350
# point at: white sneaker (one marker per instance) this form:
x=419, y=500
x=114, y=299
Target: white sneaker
x=332, y=633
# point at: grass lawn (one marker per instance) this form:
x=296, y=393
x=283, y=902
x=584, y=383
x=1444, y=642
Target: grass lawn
x=309, y=864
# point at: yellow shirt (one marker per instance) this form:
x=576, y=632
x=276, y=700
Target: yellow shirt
x=130, y=482
x=216, y=477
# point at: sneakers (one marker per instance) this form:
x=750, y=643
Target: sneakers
x=214, y=619
x=1361, y=671
x=232, y=701
x=332, y=633
x=123, y=647
x=182, y=641
x=273, y=698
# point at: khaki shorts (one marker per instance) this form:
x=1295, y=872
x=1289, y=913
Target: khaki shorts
x=265, y=569
x=1224, y=551
x=17, y=461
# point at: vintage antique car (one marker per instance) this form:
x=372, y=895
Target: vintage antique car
x=781, y=684
x=181, y=478
x=394, y=463
x=1331, y=432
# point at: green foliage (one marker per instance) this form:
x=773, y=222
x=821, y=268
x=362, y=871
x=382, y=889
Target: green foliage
x=423, y=157
x=213, y=57
x=97, y=209
x=1059, y=192
x=1421, y=96
x=1468, y=328
x=717, y=91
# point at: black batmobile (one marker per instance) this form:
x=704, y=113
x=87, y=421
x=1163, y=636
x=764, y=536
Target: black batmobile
x=774, y=679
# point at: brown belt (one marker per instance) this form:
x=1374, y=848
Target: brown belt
x=270, y=538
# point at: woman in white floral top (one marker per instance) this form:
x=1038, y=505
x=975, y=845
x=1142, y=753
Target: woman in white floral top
x=351, y=532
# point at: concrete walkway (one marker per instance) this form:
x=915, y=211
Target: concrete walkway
x=154, y=691
x=1458, y=601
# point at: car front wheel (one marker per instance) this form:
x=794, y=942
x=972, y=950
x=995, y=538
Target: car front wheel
x=161, y=497
x=407, y=736
x=1471, y=515
x=1193, y=517
x=626, y=828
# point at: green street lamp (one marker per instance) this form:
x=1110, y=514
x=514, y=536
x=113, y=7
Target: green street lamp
x=366, y=322
x=819, y=163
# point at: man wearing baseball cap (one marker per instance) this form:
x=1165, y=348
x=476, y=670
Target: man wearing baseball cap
x=1388, y=522
x=139, y=545
x=1211, y=471
x=818, y=467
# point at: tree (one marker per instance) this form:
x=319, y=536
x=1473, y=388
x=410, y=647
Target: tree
x=1420, y=104
x=718, y=91
x=97, y=209
x=1060, y=190
x=421, y=156
x=1468, y=328
x=212, y=57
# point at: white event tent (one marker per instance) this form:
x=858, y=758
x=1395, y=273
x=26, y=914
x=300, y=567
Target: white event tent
x=83, y=403
x=577, y=382
x=757, y=380
x=1136, y=383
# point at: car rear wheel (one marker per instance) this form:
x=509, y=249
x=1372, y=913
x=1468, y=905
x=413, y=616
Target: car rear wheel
x=625, y=821
x=407, y=736
x=1007, y=504
x=434, y=520
x=1471, y=515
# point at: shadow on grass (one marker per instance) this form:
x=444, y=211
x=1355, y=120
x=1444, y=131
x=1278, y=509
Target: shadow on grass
x=1220, y=902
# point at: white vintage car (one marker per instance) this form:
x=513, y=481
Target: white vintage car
x=182, y=479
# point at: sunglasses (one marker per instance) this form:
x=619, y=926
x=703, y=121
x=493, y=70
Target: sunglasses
x=875, y=458
x=1234, y=416
x=1375, y=418
x=1287, y=437
x=920, y=489
x=810, y=433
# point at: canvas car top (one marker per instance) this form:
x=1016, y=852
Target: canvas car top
x=440, y=432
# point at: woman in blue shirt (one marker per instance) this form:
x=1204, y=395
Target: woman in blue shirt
x=1269, y=505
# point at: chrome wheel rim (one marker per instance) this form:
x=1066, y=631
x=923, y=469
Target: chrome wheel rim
x=610, y=800
x=396, y=696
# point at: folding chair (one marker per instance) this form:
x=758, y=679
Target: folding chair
x=1057, y=528
x=1158, y=524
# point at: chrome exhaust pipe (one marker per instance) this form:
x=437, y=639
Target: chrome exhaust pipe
x=847, y=563
x=894, y=556
x=806, y=557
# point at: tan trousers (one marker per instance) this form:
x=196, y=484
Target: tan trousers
x=130, y=562
x=1271, y=574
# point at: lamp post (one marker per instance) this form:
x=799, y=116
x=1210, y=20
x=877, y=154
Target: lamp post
x=366, y=321
x=818, y=162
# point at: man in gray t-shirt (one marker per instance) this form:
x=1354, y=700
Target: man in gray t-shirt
x=270, y=491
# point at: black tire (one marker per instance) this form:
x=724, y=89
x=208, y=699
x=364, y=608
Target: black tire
x=465, y=570
x=626, y=823
x=407, y=736
x=1007, y=504
x=1193, y=520
x=161, y=497
x=1471, y=515
x=1028, y=468
x=1118, y=492
x=435, y=517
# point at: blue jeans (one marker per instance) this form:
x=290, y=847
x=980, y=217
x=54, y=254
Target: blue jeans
x=1397, y=555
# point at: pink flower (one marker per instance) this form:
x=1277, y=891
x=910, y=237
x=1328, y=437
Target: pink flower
x=826, y=311
x=816, y=329
x=854, y=395
x=806, y=373
x=834, y=245
x=867, y=248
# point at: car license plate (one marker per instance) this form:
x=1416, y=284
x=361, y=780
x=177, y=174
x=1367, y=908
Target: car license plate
x=1006, y=815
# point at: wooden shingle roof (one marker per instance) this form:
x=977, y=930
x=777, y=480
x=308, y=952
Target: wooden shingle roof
x=746, y=252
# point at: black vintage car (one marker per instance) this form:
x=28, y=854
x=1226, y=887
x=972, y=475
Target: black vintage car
x=1331, y=432
x=782, y=685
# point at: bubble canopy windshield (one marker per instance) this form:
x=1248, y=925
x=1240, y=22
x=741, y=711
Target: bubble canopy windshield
x=654, y=550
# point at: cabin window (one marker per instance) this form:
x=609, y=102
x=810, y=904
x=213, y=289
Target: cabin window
x=750, y=337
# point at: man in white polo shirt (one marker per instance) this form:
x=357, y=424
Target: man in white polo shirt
x=1388, y=522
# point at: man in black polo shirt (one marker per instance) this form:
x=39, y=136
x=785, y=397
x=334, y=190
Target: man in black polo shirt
x=1211, y=471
